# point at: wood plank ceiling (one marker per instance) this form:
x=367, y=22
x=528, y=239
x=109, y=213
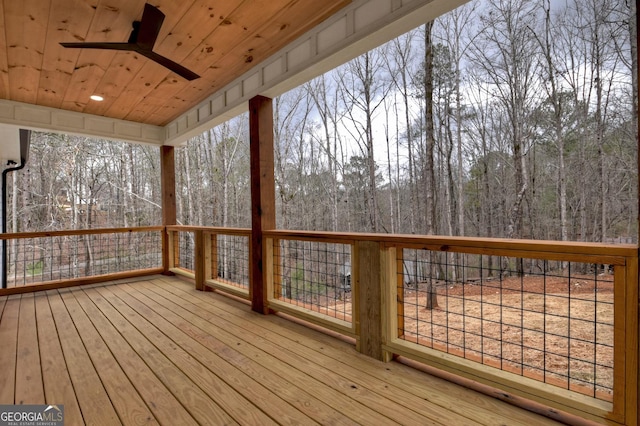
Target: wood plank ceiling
x=217, y=39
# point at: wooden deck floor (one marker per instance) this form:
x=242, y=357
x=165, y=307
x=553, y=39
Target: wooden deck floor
x=159, y=352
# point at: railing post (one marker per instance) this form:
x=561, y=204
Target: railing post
x=199, y=260
x=170, y=249
x=371, y=316
x=271, y=268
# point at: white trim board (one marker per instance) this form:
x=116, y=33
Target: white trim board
x=35, y=117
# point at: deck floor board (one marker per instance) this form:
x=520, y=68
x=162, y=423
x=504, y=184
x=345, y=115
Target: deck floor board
x=451, y=397
x=302, y=380
x=29, y=385
x=452, y=407
x=158, y=398
x=207, y=386
x=124, y=397
x=8, y=349
x=276, y=398
x=393, y=403
x=156, y=351
x=55, y=374
x=95, y=404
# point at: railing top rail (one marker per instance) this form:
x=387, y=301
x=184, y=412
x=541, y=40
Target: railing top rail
x=444, y=243
x=440, y=243
x=210, y=229
x=23, y=235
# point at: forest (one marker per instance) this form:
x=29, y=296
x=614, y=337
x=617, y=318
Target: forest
x=502, y=118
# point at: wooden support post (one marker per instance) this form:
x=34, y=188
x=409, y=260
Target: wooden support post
x=199, y=260
x=168, y=183
x=370, y=299
x=263, y=209
x=631, y=356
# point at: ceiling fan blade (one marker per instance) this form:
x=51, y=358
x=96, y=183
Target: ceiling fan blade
x=142, y=39
x=101, y=45
x=152, y=19
x=168, y=63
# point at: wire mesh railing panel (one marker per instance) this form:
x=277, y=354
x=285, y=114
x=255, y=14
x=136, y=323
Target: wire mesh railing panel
x=545, y=320
x=314, y=275
x=61, y=257
x=186, y=251
x=233, y=260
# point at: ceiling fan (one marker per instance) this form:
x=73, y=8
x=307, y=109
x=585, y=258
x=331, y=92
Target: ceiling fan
x=142, y=38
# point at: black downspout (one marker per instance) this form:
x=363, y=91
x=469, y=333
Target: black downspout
x=25, y=137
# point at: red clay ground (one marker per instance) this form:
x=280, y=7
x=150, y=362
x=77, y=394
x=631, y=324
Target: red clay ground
x=550, y=329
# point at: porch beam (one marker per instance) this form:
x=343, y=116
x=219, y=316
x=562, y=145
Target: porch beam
x=263, y=205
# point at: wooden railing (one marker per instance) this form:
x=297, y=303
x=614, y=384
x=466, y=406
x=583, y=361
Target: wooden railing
x=553, y=322
x=309, y=276
x=41, y=260
x=214, y=257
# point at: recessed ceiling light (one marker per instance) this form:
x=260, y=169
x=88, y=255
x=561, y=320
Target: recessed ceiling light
x=97, y=98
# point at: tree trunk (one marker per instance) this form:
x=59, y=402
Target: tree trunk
x=459, y=150
x=429, y=168
x=634, y=20
x=371, y=163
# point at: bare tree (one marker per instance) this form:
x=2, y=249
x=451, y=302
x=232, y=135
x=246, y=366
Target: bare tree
x=324, y=93
x=506, y=54
x=363, y=89
x=552, y=64
x=454, y=31
x=429, y=165
x=401, y=64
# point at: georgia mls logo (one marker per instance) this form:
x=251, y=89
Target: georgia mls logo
x=31, y=415
x=55, y=409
